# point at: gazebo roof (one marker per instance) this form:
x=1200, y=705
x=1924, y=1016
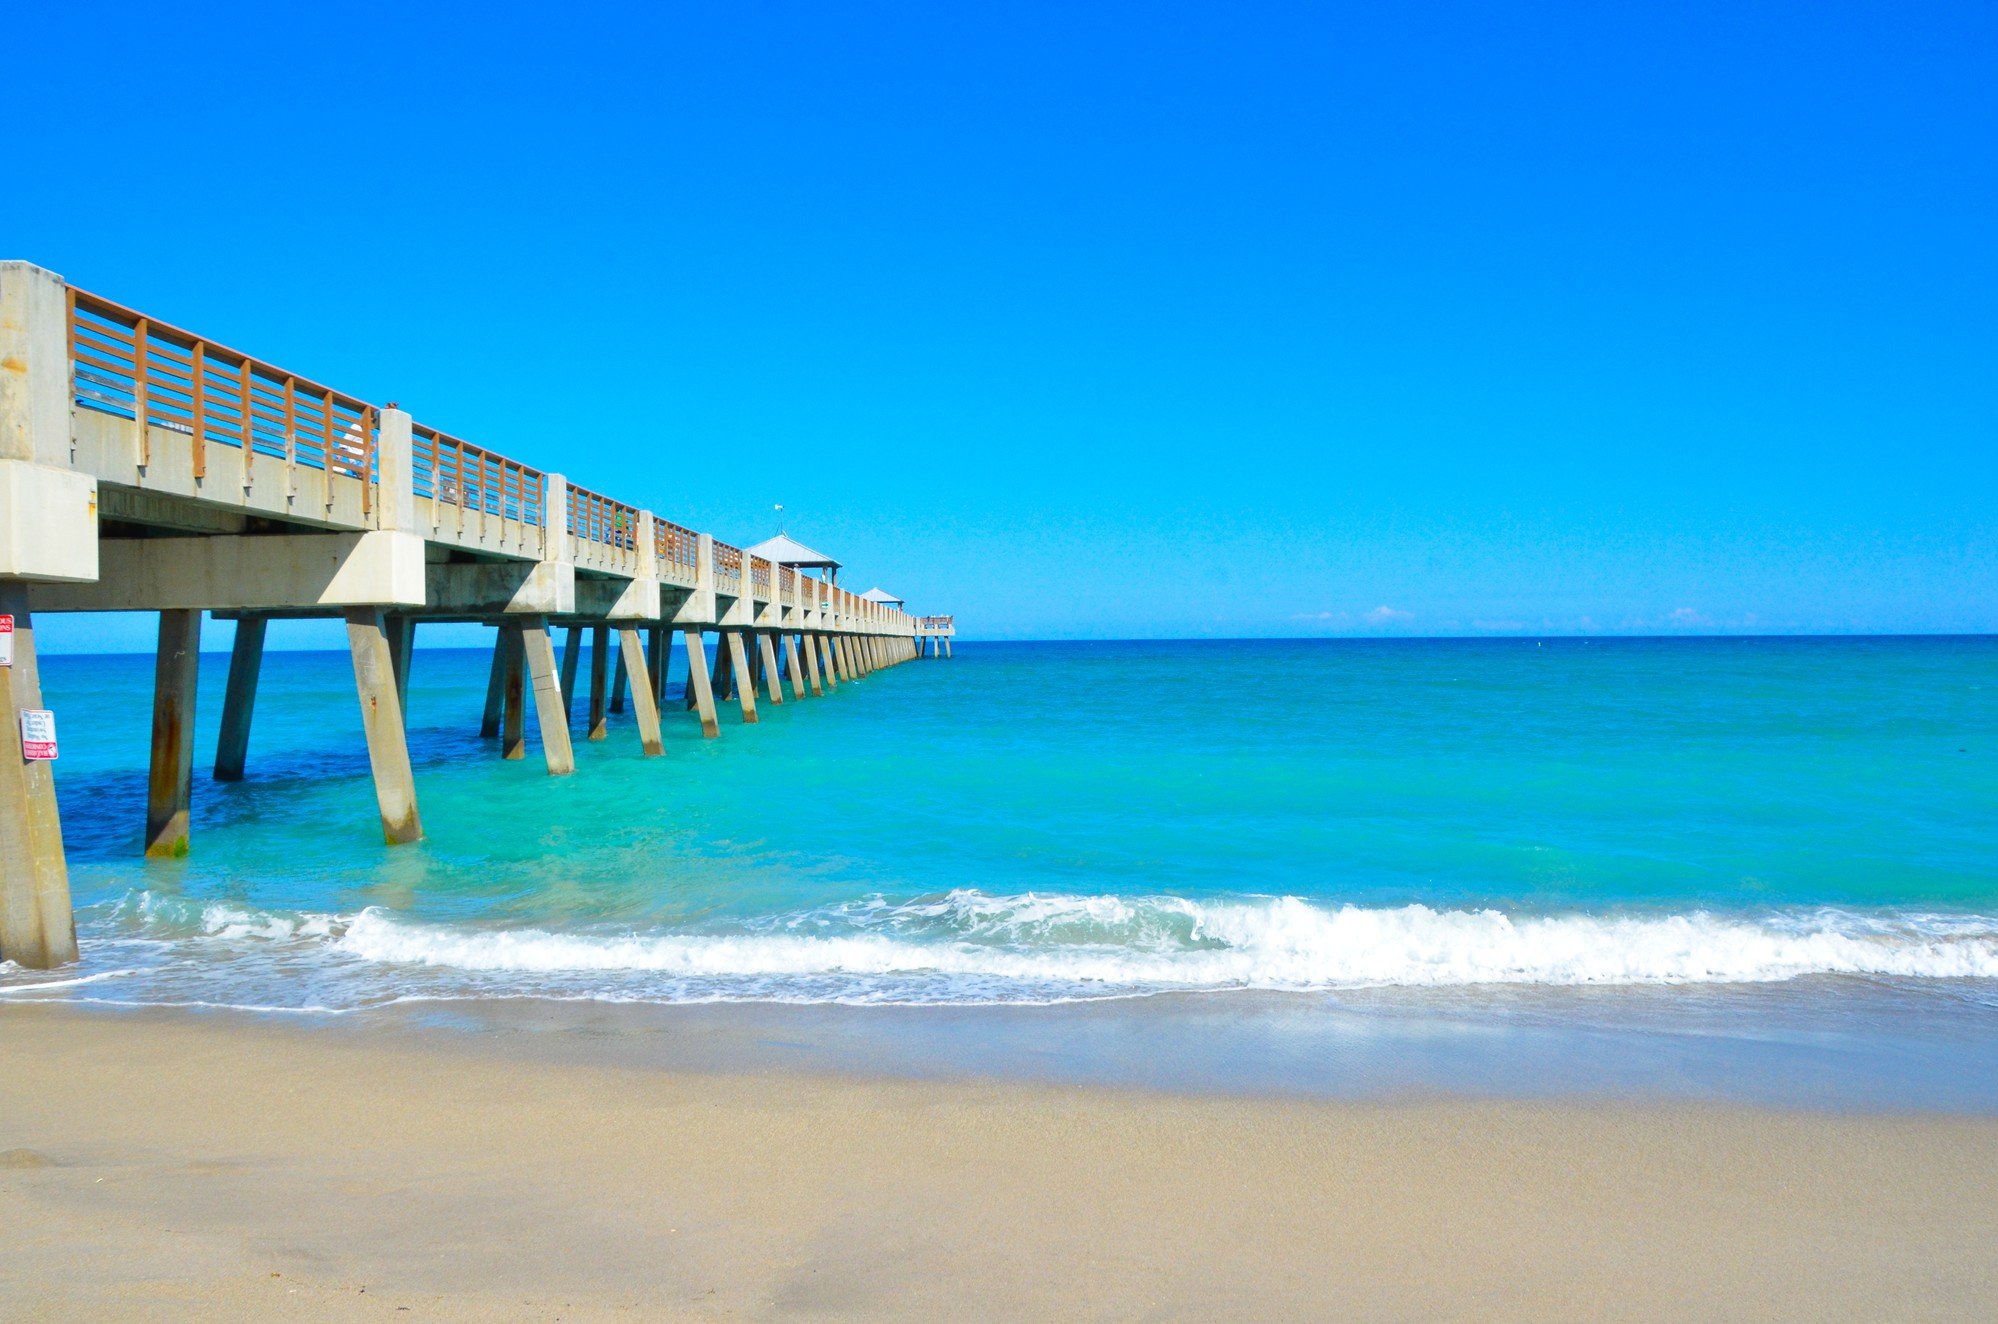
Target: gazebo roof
x=879, y=595
x=785, y=550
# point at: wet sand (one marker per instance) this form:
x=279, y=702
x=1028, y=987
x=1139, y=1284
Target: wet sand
x=164, y=1166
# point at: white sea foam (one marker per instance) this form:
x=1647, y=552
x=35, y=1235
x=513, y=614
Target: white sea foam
x=1037, y=943
x=969, y=946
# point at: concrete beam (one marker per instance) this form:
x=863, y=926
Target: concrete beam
x=502, y=588
x=264, y=573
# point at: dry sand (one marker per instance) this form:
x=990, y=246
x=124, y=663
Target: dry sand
x=167, y=1167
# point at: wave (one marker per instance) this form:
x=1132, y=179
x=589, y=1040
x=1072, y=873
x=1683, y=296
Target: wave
x=972, y=946
x=1279, y=943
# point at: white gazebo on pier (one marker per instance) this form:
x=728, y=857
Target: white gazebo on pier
x=883, y=597
x=786, y=550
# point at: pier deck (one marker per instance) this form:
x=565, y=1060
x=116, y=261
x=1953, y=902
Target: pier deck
x=144, y=467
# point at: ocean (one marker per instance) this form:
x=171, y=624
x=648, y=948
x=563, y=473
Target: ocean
x=1288, y=848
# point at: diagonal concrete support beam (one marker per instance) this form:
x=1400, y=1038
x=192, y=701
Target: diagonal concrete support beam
x=246, y=663
x=698, y=687
x=549, y=709
x=644, y=703
x=382, y=722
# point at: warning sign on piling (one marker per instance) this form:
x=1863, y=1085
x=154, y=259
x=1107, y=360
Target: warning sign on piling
x=6, y=641
x=37, y=733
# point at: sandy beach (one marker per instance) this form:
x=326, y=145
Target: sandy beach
x=164, y=1166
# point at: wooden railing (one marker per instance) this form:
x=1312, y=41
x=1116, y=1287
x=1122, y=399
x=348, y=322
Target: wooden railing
x=596, y=518
x=935, y=622
x=678, y=549
x=728, y=569
x=160, y=376
x=451, y=472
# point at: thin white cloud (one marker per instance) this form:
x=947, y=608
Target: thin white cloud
x=1385, y=615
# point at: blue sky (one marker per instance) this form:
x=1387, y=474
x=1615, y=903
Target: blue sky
x=1117, y=320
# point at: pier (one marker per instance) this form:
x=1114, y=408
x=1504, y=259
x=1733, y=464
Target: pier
x=146, y=468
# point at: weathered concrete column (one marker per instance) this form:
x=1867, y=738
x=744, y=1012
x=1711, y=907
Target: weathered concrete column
x=745, y=684
x=771, y=683
x=572, y=649
x=495, y=688
x=644, y=705
x=170, y=782
x=549, y=709
x=37, y=928
x=656, y=658
x=618, y=682
x=239, y=701
x=831, y=656
x=791, y=665
x=402, y=647
x=697, y=683
x=513, y=738
x=724, y=671
x=812, y=663
x=382, y=721
x=599, y=682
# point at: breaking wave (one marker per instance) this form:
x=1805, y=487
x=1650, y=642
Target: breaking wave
x=972, y=947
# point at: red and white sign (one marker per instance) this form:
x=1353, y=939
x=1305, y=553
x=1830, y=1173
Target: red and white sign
x=37, y=733
x=6, y=641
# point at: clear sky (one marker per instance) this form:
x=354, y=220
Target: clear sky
x=1116, y=319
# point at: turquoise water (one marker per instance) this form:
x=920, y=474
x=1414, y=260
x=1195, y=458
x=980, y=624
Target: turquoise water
x=1050, y=823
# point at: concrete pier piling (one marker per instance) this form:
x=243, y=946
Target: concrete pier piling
x=262, y=494
x=239, y=700
x=36, y=927
x=698, y=684
x=772, y=683
x=599, y=683
x=402, y=650
x=740, y=680
x=489, y=724
x=383, y=725
x=513, y=734
x=170, y=781
x=550, y=709
x=572, y=649
x=644, y=702
x=812, y=664
x=791, y=666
